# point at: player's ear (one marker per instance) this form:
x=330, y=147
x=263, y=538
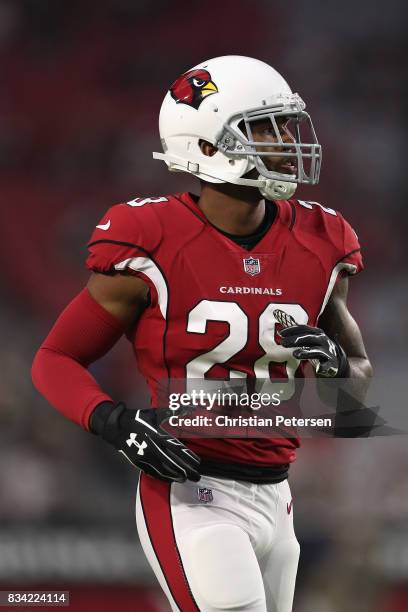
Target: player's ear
x=207, y=148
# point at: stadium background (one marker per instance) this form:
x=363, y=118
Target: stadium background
x=82, y=83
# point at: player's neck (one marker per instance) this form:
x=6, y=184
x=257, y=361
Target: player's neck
x=231, y=208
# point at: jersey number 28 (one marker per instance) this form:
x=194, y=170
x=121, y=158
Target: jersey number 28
x=232, y=313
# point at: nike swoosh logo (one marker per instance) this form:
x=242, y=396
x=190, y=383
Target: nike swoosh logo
x=289, y=506
x=105, y=226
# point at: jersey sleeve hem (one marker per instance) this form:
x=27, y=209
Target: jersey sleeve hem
x=114, y=252
x=348, y=268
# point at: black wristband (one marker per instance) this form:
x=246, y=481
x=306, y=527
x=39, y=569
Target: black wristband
x=99, y=417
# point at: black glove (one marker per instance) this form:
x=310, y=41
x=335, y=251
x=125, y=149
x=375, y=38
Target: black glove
x=327, y=356
x=138, y=435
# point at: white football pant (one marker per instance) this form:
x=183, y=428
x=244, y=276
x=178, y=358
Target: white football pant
x=233, y=549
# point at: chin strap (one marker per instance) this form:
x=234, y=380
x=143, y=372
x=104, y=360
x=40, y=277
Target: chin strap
x=271, y=189
x=276, y=190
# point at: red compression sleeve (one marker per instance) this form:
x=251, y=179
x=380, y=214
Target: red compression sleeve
x=83, y=333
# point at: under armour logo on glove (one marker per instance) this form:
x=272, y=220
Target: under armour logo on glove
x=132, y=440
x=312, y=343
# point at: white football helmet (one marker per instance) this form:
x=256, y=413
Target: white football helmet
x=217, y=101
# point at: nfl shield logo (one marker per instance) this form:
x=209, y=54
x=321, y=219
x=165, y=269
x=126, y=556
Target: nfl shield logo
x=252, y=266
x=205, y=495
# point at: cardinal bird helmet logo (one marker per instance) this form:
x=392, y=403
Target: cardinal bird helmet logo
x=192, y=87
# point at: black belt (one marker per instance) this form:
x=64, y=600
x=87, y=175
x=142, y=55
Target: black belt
x=258, y=474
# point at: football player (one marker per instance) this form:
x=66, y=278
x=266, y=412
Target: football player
x=199, y=284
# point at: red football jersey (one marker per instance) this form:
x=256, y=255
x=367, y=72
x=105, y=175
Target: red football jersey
x=213, y=302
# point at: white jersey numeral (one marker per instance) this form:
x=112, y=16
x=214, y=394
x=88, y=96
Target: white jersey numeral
x=274, y=352
x=142, y=202
x=232, y=313
x=307, y=204
x=228, y=312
